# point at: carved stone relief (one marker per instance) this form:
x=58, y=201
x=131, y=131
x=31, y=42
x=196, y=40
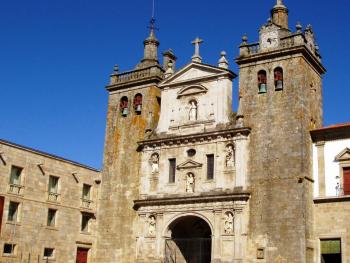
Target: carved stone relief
x=190, y=181
x=230, y=156
x=155, y=162
x=152, y=223
x=228, y=223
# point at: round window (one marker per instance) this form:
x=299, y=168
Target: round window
x=191, y=152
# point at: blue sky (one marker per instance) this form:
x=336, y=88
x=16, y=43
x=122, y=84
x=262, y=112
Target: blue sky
x=56, y=57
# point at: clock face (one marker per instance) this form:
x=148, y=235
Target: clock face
x=269, y=40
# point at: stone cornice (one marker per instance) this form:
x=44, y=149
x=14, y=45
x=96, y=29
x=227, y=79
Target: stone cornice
x=189, y=138
x=302, y=49
x=176, y=200
x=334, y=199
x=336, y=132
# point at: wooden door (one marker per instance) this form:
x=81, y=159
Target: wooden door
x=346, y=180
x=82, y=255
x=2, y=201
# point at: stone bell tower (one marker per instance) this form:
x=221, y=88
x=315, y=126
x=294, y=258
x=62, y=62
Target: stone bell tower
x=133, y=111
x=281, y=100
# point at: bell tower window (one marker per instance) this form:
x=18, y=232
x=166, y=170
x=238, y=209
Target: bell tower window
x=262, y=81
x=124, y=106
x=278, y=74
x=138, y=103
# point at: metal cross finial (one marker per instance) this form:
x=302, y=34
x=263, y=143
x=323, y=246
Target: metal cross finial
x=279, y=2
x=196, y=57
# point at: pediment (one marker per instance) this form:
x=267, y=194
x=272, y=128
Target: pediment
x=192, y=90
x=194, y=71
x=189, y=164
x=344, y=155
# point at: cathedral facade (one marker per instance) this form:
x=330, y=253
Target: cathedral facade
x=187, y=180
x=213, y=185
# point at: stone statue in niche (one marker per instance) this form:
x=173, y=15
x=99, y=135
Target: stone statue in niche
x=193, y=110
x=190, y=183
x=230, y=156
x=155, y=162
x=152, y=225
x=228, y=224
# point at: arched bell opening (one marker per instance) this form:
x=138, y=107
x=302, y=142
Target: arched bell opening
x=189, y=240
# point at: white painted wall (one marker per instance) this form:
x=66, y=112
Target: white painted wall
x=332, y=149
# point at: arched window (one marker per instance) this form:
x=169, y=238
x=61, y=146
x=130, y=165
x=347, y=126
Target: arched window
x=138, y=103
x=124, y=106
x=262, y=81
x=278, y=74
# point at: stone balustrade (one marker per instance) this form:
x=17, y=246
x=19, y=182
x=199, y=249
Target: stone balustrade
x=138, y=74
x=16, y=189
x=86, y=203
x=53, y=197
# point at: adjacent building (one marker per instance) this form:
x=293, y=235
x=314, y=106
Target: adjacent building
x=47, y=206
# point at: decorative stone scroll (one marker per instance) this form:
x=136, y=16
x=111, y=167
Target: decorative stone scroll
x=155, y=162
x=190, y=181
x=228, y=223
x=152, y=224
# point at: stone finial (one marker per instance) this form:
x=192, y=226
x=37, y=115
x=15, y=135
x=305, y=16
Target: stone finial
x=309, y=28
x=298, y=27
x=279, y=2
x=169, y=71
x=244, y=40
x=116, y=69
x=169, y=56
x=223, y=63
x=196, y=57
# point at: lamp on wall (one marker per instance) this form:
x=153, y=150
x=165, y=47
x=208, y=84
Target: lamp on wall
x=2, y=158
x=40, y=166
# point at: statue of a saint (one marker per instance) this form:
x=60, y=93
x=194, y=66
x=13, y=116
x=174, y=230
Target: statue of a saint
x=228, y=227
x=155, y=163
x=152, y=225
x=193, y=111
x=190, y=183
x=230, y=156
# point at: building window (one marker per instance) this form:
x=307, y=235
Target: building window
x=49, y=253
x=138, y=103
x=262, y=81
x=278, y=74
x=15, y=177
x=346, y=180
x=86, y=196
x=331, y=251
x=9, y=249
x=53, y=188
x=13, y=212
x=124, y=106
x=51, y=217
x=86, y=192
x=85, y=222
x=172, y=170
x=53, y=184
x=210, y=166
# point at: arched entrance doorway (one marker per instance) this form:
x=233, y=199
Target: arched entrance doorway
x=189, y=241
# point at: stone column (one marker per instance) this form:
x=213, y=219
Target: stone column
x=321, y=169
x=241, y=155
x=216, y=248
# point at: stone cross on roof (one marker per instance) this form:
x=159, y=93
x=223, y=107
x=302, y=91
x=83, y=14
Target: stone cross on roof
x=196, y=57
